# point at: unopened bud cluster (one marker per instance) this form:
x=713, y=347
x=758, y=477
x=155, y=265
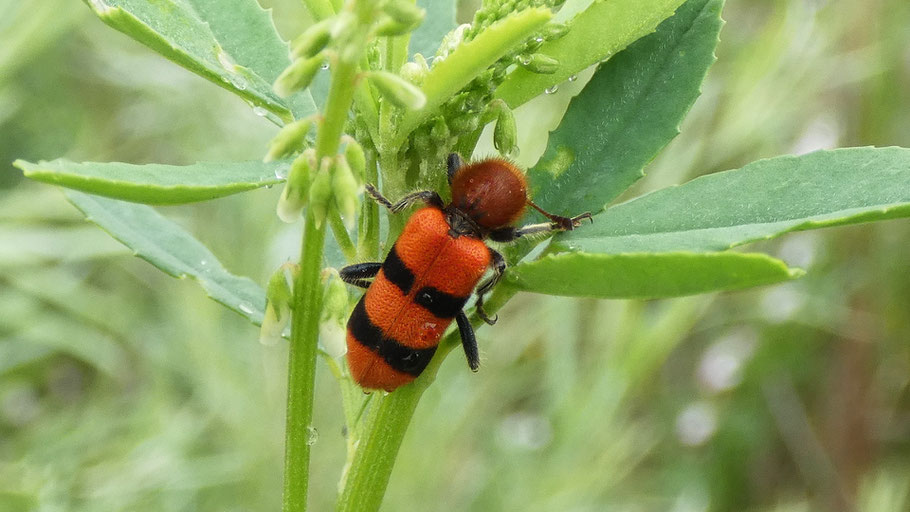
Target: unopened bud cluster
x=335, y=311
x=333, y=182
x=464, y=113
x=279, y=300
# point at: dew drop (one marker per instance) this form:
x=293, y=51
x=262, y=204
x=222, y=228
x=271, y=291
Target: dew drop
x=573, y=78
x=325, y=65
x=538, y=39
x=260, y=111
x=239, y=83
x=246, y=308
x=551, y=90
x=513, y=153
x=281, y=173
x=312, y=435
x=524, y=59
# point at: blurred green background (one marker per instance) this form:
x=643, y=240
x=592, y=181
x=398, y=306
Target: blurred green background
x=124, y=389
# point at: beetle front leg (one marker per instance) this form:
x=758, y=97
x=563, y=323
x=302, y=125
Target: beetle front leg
x=557, y=223
x=426, y=196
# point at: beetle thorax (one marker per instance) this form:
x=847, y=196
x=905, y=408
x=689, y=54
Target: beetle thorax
x=492, y=193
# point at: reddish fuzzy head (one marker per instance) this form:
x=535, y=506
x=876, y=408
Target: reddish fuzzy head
x=492, y=192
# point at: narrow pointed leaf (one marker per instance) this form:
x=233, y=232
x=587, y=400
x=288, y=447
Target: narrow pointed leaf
x=595, y=34
x=173, y=250
x=763, y=200
x=629, y=111
x=156, y=183
x=647, y=276
x=232, y=43
x=471, y=59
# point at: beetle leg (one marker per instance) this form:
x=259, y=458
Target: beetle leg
x=562, y=223
x=427, y=196
x=557, y=223
x=468, y=341
x=499, y=267
x=359, y=274
x=453, y=163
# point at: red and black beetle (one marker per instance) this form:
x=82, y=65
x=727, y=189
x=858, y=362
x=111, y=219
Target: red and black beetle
x=432, y=269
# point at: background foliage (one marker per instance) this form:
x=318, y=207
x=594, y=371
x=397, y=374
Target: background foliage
x=121, y=388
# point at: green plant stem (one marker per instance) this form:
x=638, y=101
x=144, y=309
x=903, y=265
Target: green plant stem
x=368, y=236
x=308, y=299
x=341, y=235
x=388, y=421
x=302, y=366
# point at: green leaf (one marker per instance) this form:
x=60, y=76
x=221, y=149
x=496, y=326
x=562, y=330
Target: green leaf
x=172, y=249
x=156, y=183
x=440, y=21
x=762, y=200
x=232, y=43
x=647, y=276
x=470, y=60
x=630, y=109
x=597, y=33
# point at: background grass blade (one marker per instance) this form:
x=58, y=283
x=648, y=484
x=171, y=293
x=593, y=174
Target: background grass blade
x=156, y=183
x=762, y=200
x=232, y=43
x=647, y=276
x=629, y=111
x=588, y=42
x=173, y=250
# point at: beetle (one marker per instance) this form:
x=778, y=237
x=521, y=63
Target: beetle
x=433, y=267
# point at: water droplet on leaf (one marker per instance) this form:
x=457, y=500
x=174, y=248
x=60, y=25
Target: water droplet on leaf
x=239, y=83
x=312, y=435
x=551, y=90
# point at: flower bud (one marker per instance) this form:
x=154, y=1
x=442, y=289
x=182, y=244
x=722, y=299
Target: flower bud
x=296, y=190
x=321, y=191
x=353, y=152
x=413, y=72
x=344, y=189
x=554, y=30
x=335, y=310
x=505, y=134
x=390, y=27
x=539, y=63
x=335, y=301
x=313, y=40
x=397, y=90
x=289, y=139
x=298, y=75
x=404, y=12
x=440, y=130
x=279, y=299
